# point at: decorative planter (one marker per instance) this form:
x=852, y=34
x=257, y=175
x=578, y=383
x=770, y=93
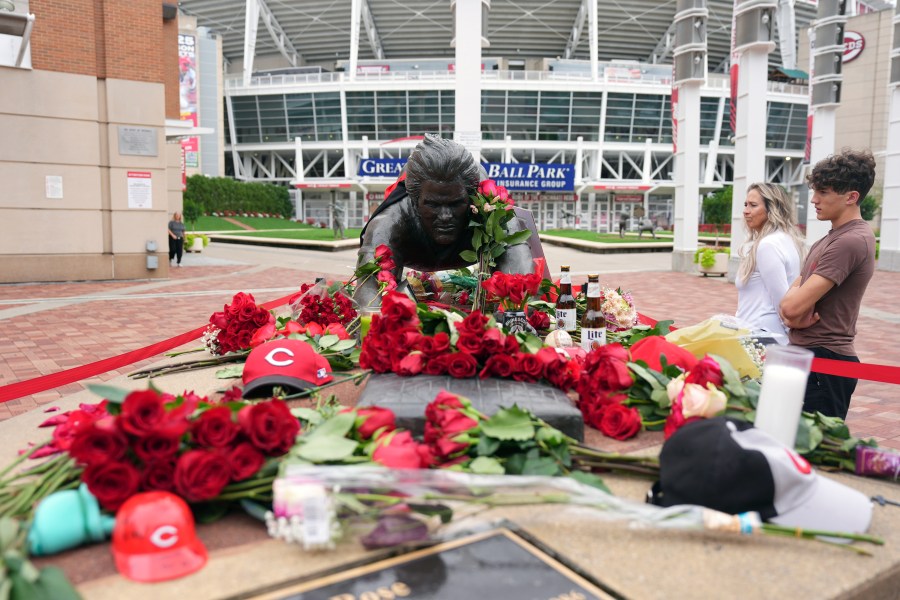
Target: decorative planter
x=196, y=245
x=720, y=266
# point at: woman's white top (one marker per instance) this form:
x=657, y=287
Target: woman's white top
x=777, y=266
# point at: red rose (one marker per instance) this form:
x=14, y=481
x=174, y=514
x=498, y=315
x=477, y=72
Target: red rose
x=263, y=335
x=76, y=421
x=152, y=448
x=112, y=482
x=434, y=345
x=705, y=371
x=383, y=251
x=511, y=345
x=398, y=308
x=518, y=291
x=651, y=348
x=338, y=330
x=411, y=364
x=142, y=412
x=372, y=419
x=539, y=319
x=215, y=427
x=529, y=368
x=499, y=365
x=474, y=323
x=244, y=461
x=444, y=400
x=497, y=285
x=99, y=443
x=158, y=475
x=607, y=367
x=492, y=341
x=620, y=422
x=270, y=426
x=469, y=342
x=461, y=365
x=398, y=450
x=436, y=365
x=201, y=474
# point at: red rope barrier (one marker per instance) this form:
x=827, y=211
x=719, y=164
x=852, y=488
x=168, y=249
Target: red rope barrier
x=54, y=380
x=870, y=372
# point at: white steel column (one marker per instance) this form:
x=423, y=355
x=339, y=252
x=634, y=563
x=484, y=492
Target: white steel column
x=355, y=13
x=787, y=34
x=889, y=254
x=754, y=44
x=592, y=39
x=468, y=75
x=251, y=26
x=687, y=173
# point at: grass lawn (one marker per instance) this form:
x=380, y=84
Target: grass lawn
x=220, y=224
x=607, y=238
x=308, y=233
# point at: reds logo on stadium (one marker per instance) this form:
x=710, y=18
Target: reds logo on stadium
x=854, y=43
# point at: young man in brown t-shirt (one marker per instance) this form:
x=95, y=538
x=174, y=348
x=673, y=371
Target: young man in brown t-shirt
x=822, y=305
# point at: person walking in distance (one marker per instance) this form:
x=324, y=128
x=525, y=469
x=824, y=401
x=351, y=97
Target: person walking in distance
x=176, y=238
x=822, y=305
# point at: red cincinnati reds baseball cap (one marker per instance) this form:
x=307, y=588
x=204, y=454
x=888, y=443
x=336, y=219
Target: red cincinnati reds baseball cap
x=286, y=363
x=154, y=538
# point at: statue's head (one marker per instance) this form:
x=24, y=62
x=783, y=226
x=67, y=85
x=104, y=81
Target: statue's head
x=440, y=177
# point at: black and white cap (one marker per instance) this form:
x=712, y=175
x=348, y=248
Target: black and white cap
x=730, y=466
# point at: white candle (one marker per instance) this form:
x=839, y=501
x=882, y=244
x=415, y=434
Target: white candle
x=781, y=402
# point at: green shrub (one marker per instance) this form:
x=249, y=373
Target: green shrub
x=706, y=256
x=868, y=208
x=224, y=195
x=191, y=212
x=189, y=239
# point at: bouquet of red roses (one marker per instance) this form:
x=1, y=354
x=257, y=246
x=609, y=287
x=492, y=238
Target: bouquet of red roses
x=232, y=328
x=322, y=304
x=183, y=444
x=458, y=346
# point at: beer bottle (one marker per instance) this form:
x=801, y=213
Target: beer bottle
x=566, y=318
x=593, y=325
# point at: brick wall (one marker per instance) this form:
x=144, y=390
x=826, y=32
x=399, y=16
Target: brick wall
x=170, y=68
x=117, y=39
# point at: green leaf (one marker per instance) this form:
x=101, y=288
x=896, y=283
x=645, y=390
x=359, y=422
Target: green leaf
x=109, y=392
x=550, y=436
x=487, y=445
x=431, y=510
x=311, y=416
x=209, y=512
x=517, y=237
x=477, y=237
x=541, y=465
x=590, y=479
x=808, y=437
x=509, y=424
x=336, y=426
x=327, y=449
x=327, y=341
x=9, y=530
x=498, y=250
x=254, y=509
x=486, y=465
x=230, y=372
x=343, y=345
x=646, y=375
x=531, y=342
x=468, y=256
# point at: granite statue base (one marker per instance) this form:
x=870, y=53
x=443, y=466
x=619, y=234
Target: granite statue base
x=408, y=396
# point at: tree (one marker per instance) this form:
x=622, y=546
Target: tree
x=191, y=212
x=868, y=208
x=717, y=209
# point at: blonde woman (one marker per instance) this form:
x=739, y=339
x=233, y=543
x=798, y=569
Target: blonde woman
x=770, y=258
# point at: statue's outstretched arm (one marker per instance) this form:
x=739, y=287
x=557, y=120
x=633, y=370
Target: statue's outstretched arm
x=382, y=229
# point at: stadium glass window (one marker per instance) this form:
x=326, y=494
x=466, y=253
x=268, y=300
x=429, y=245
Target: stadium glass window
x=648, y=117
x=361, y=115
x=246, y=119
x=272, y=119
x=391, y=115
x=586, y=108
x=796, y=133
x=778, y=117
x=522, y=114
x=448, y=112
x=300, y=116
x=328, y=116
x=493, y=114
x=554, y=115
x=709, y=110
x=726, y=135
x=424, y=111
x=619, y=114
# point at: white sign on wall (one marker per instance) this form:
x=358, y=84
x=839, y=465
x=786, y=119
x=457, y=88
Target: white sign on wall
x=140, y=189
x=53, y=187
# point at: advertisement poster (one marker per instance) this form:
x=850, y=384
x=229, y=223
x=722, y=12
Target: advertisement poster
x=187, y=86
x=140, y=189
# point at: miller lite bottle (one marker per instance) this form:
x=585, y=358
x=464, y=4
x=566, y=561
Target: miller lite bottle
x=593, y=325
x=565, y=303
